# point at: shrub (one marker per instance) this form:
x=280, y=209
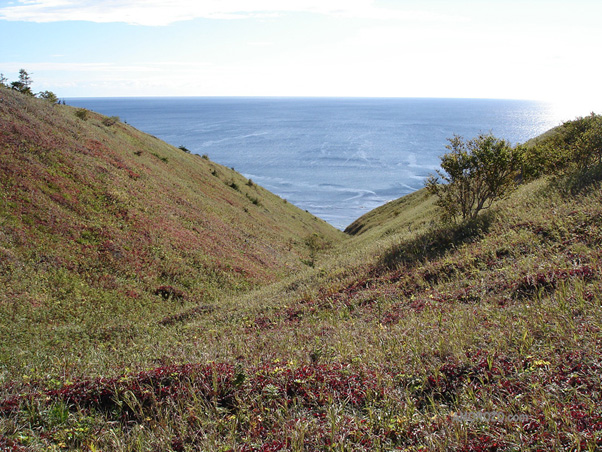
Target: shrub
x=476, y=173
x=167, y=292
x=163, y=159
x=254, y=199
x=49, y=96
x=315, y=243
x=588, y=146
x=82, y=114
x=574, y=146
x=184, y=148
x=109, y=121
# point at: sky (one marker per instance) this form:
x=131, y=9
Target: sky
x=519, y=49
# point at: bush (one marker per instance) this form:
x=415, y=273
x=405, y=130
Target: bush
x=315, y=243
x=109, y=121
x=574, y=146
x=49, y=96
x=476, y=173
x=167, y=292
x=82, y=114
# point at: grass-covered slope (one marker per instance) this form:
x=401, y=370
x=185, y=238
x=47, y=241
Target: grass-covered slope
x=410, y=335
x=119, y=210
x=103, y=226
x=412, y=211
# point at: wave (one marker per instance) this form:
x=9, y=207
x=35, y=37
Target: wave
x=234, y=138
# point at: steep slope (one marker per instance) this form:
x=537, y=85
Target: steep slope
x=93, y=209
x=410, y=335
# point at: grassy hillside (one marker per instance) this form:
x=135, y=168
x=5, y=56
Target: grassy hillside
x=104, y=229
x=412, y=211
x=409, y=335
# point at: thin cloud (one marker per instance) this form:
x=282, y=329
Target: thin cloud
x=160, y=13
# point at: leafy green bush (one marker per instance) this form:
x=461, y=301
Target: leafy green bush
x=475, y=173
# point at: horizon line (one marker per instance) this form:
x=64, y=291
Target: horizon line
x=302, y=97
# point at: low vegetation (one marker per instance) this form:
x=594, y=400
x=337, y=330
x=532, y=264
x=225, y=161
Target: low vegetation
x=151, y=306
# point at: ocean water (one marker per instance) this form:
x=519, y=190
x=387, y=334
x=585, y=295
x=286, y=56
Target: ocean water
x=337, y=158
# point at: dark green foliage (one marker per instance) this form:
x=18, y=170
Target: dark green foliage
x=49, y=96
x=23, y=85
x=167, y=292
x=184, y=148
x=476, y=173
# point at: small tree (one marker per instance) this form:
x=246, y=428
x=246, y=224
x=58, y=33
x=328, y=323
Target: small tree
x=475, y=173
x=23, y=85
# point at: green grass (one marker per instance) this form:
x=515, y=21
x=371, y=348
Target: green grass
x=407, y=335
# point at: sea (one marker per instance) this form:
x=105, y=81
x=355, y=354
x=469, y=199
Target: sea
x=337, y=158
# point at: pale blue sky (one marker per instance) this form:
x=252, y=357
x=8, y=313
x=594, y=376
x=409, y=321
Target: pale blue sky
x=527, y=49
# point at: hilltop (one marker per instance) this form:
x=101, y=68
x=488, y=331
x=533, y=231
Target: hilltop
x=407, y=333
